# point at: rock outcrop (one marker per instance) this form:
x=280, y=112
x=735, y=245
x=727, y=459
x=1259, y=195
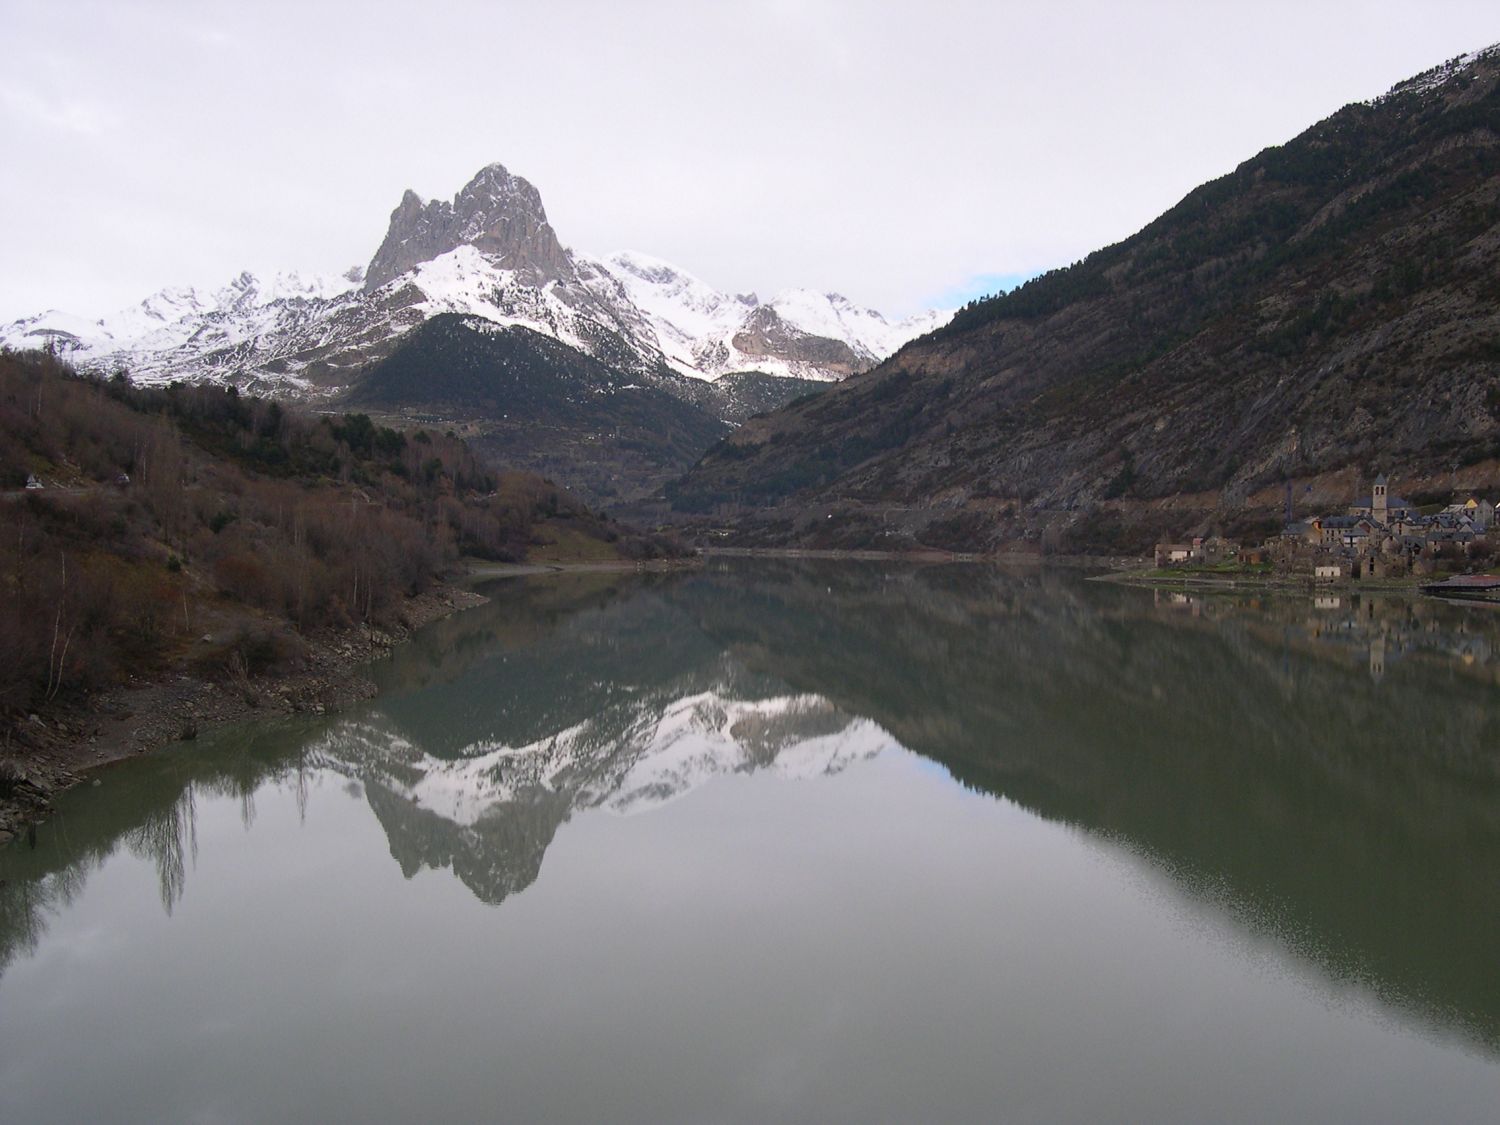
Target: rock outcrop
x=498, y=214
x=766, y=335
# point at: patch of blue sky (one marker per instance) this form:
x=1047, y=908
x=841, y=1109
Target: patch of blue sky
x=979, y=285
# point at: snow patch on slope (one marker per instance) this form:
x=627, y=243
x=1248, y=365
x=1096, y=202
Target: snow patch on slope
x=1441, y=74
x=835, y=317
x=468, y=282
x=685, y=312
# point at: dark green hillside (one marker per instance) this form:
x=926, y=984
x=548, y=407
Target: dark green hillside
x=536, y=403
x=197, y=531
x=1331, y=308
x=744, y=394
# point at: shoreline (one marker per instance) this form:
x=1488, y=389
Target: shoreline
x=925, y=555
x=47, y=756
x=481, y=571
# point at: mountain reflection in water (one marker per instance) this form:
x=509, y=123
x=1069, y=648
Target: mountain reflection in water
x=1322, y=772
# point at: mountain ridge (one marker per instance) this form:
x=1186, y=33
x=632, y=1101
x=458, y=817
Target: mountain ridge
x=489, y=252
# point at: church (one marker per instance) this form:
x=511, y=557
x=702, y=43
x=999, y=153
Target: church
x=1380, y=506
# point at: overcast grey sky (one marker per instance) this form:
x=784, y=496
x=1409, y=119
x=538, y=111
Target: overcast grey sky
x=898, y=152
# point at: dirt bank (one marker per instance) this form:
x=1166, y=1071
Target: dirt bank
x=43, y=755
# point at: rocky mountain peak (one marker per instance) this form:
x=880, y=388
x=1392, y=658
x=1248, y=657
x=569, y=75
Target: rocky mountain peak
x=498, y=214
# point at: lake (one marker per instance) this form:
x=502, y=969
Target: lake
x=786, y=841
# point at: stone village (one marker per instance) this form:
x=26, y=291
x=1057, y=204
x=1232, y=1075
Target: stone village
x=1380, y=535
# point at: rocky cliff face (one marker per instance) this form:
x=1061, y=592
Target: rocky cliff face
x=1329, y=309
x=498, y=214
x=766, y=335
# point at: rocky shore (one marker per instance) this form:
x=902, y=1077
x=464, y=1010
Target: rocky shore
x=43, y=755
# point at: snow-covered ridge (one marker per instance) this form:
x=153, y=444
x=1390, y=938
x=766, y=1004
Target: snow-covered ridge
x=177, y=332
x=624, y=308
x=170, y=317
x=1441, y=74
x=701, y=330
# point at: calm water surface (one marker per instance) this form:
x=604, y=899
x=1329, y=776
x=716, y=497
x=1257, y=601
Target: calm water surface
x=779, y=842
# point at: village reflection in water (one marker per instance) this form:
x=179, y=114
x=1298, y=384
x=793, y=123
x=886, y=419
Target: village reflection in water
x=1376, y=629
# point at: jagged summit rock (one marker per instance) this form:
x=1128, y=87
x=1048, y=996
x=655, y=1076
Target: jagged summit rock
x=498, y=214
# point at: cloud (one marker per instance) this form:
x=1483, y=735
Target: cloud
x=211, y=37
x=76, y=116
x=903, y=155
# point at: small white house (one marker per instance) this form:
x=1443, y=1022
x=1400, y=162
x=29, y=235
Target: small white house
x=1169, y=553
x=1330, y=572
x=32, y=482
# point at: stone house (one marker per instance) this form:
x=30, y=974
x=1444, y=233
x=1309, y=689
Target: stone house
x=1215, y=549
x=1173, y=554
x=1202, y=551
x=1477, y=514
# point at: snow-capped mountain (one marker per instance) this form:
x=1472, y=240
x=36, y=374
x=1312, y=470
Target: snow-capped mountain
x=490, y=253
